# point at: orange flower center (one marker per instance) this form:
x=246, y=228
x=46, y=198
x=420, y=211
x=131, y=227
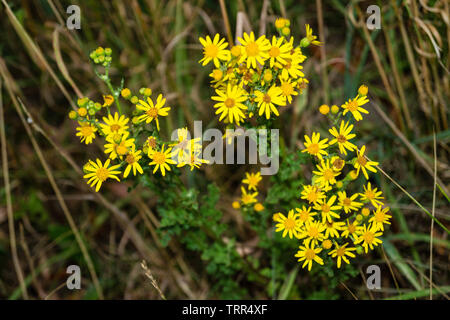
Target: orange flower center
x=274, y=52
x=313, y=148
x=266, y=98
x=347, y=201
x=310, y=254
x=252, y=49
x=289, y=223
x=159, y=157
x=130, y=159
x=341, y=139
x=102, y=174
x=152, y=112
x=362, y=161
x=211, y=51
x=352, y=106
x=229, y=103
x=115, y=127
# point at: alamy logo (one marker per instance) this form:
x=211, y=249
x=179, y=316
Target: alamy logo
x=74, y=20
x=374, y=20
x=374, y=279
x=74, y=280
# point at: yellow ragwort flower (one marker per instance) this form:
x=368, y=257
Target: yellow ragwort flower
x=214, y=50
x=309, y=254
x=99, y=173
x=315, y=146
x=252, y=179
x=363, y=164
x=161, y=160
x=343, y=136
x=152, y=111
x=290, y=225
x=267, y=101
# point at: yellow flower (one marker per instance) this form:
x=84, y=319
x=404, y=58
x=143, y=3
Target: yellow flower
x=290, y=225
x=288, y=89
x=305, y=215
x=132, y=159
x=363, y=90
x=108, y=100
x=334, y=109
x=255, y=51
x=324, y=109
x=292, y=68
x=248, y=198
x=340, y=252
x=86, y=132
x=98, y=173
x=125, y=93
x=309, y=254
x=184, y=146
x=280, y=23
x=278, y=52
x=236, y=51
x=312, y=194
x=252, y=179
x=313, y=232
x=380, y=217
x=314, y=146
x=236, y=205
x=372, y=195
x=214, y=50
x=327, y=208
x=363, y=164
x=325, y=175
x=348, y=203
x=342, y=136
x=312, y=38
x=192, y=159
x=365, y=211
x=118, y=145
x=258, y=207
x=368, y=237
x=350, y=229
x=267, y=101
x=82, y=112
x=337, y=163
x=231, y=103
x=327, y=244
x=161, y=160
x=332, y=228
x=114, y=124
x=355, y=107
x=152, y=111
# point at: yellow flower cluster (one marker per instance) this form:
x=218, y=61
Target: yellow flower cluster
x=250, y=192
x=126, y=142
x=257, y=76
x=333, y=220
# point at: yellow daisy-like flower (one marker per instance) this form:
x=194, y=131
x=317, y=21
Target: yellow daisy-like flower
x=312, y=194
x=355, y=107
x=348, y=203
x=332, y=229
x=254, y=51
x=341, y=253
x=161, y=160
x=309, y=254
x=248, y=198
x=152, y=111
x=292, y=68
x=86, y=132
x=305, y=215
x=279, y=52
x=312, y=232
x=312, y=38
x=252, y=179
x=326, y=175
x=290, y=225
x=99, y=173
x=192, y=159
x=214, y=50
x=132, y=160
x=267, y=101
x=183, y=147
x=350, y=229
x=258, y=207
x=114, y=124
x=342, y=136
x=231, y=103
x=380, y=217
x=363, y=164
x=288, y=89
x=327, y=208
x=372, y=195
x=368, y=237
x=118, y=145
x=315, y=146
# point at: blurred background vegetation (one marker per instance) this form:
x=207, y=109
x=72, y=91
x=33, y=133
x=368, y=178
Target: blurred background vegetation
x=216, y=252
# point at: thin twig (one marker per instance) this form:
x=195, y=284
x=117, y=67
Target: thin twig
x=9, y=209
x=432, y=213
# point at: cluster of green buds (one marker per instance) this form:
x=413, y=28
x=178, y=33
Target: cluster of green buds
x=102, y=56
x=88, y=107
x=282, y=26
x=134, y=99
